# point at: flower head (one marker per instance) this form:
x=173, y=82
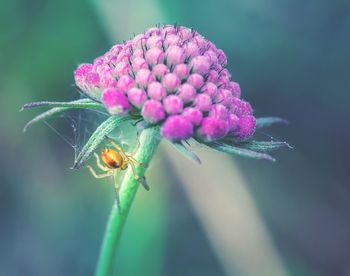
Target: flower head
x=174, y=77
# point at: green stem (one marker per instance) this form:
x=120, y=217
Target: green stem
x=149, y=140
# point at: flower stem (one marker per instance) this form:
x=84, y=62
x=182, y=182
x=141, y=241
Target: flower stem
x=149, y=140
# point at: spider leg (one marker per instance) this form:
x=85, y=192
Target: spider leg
x=134, y=171
x=132, y=159
x=99, y=164
x=117, y=147
x=99, y=176
x=141, y=180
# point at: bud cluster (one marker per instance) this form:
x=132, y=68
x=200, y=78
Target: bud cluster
x=173, y=77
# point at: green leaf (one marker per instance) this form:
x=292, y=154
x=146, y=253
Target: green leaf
x=82, y=103
x=239, y=151
x=268, y=121
x=186, y=152
x=264, y=145
x=58, y=107
x=96, y=138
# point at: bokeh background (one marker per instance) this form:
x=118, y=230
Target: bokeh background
x=232, y=216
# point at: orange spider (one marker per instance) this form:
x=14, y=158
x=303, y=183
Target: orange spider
x=116, y=159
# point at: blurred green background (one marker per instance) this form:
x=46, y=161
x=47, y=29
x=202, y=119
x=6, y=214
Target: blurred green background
x=291, y=58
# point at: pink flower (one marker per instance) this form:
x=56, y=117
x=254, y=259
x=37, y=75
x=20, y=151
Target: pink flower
x=173, y=77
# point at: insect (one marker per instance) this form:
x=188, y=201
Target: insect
x=115, y=159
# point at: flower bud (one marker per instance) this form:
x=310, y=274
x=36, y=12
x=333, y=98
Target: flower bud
x=156, y=91
x=137, y=96
x=170, y=81
x=213, y=128
x=193, y=115
x=173, y=104
x=115, y=101
x=144, y=77
x=177, y=128
x=154, y=56
x=153, y=111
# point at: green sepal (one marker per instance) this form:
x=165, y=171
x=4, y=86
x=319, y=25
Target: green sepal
x=181, y=148
x=268, y=121
x=82, y=103
x=219, y=146
x=264, y=146
x=57, y=108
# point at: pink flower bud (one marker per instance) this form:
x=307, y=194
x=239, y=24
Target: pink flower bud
x=196, y=80
x=122, y=68
x=138, y=52
x=92, y=79
x=137, y=96
x=235, y=89
x=168, y=30
x=187, y=93
x=246, y=127
x=110, y=58
x=193, y=115
x=138, y=41
x=191, y=50
x=233, y=121
x=115, y=101
x=160, y=70
x=213, y=129
x=144, y=77
x=213, y=76
x=176, y=128
x=124, y=56
x=107, y=80
x=154, y=41
x=125, y=82
x=153, y=111
x=210, y=89
x=98, y=62
x=173, y=104
x=219, y=111
x=240, y=107
x=200, y=65
x=154, y=56
x=211, y=56
x=185, y=33
x=203, y=102
x=224, y=97
x=175, y=55
x=201, y=41
x=115, y=50
x=181, y=70
x=156, y=91
x=170, y=81
x=83, y=70
x=139, y=63
x=222, y=57
x=171, y=39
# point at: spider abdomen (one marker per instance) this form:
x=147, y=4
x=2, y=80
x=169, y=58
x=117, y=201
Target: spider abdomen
x=112, y=159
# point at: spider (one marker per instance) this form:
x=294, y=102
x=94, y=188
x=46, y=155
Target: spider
x=116, y=159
